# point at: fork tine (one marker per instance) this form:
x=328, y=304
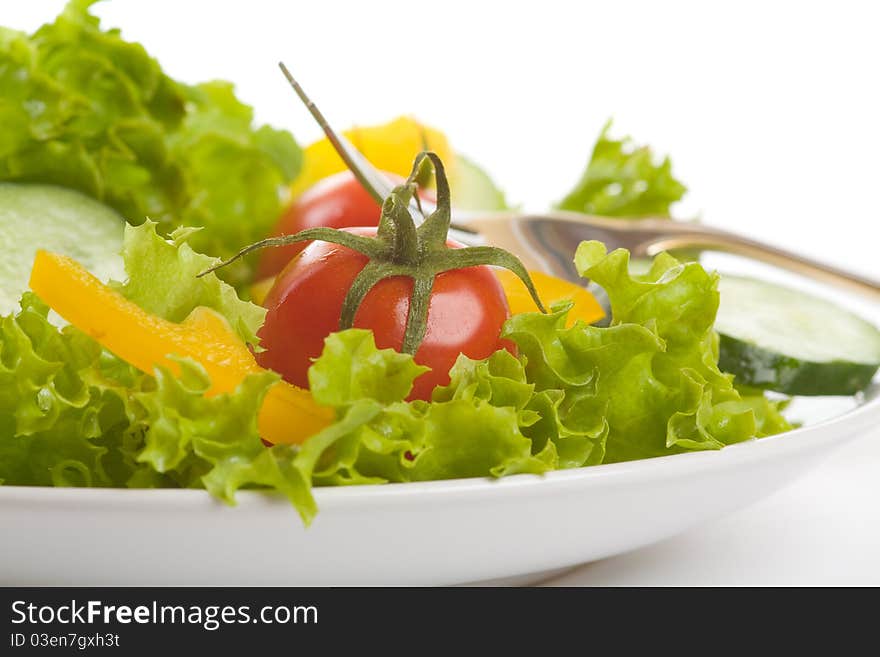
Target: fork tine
x=371, y=178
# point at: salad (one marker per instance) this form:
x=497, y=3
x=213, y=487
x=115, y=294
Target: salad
x=144, y=345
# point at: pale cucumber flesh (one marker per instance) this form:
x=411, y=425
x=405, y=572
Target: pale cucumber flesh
x=473, y=189
x=55, y=219
x=781, y=339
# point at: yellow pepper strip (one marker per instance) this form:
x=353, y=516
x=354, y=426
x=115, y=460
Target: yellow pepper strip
x=550, y=289
x=288, y=415
x=390, y=147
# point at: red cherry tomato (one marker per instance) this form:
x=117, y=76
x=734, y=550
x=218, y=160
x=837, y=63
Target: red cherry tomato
x=465, y=314
x=338, y=201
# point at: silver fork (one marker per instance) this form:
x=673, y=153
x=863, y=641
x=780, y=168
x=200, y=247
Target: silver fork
x=546, y=241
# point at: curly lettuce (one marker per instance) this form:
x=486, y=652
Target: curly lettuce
x=85, y=109
x=459, y=434
x=623, y=180
x=163, y=279
x=646, y=386
x=653, y=373
x=72, y=414
x=51, y=421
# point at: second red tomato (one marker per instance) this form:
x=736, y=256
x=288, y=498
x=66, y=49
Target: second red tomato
x=338, y=201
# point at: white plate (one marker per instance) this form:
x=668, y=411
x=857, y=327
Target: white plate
x=444, y=532
x=512, y=530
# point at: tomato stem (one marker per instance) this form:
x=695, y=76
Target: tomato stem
x=402, y=249
x=435, y=228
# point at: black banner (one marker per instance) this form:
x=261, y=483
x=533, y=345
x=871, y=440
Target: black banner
x=170, y=621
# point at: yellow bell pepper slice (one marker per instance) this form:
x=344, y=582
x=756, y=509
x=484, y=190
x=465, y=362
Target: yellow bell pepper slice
x=391, y=147
x=288, y=414
x=550, y=289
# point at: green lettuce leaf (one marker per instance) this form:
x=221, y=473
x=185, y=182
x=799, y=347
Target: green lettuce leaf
x=84, y=108
x=463, y=439
x=72, y=414
x=474, y=426
x=351, y=368
x=559, y=439
x=53, y=424
x=622, y=180
x=162, y=278
x=653, y=374
x=237, y=176
x=194, y=440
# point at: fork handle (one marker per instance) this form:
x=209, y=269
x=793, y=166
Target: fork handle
x=713, y=239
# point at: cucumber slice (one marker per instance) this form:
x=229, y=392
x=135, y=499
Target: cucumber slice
x=473, y=189
x=776, y=338
x=56, y=219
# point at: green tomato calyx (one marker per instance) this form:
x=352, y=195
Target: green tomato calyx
x=401, y=248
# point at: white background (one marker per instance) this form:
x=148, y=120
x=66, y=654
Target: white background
x=770, y=111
